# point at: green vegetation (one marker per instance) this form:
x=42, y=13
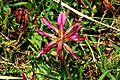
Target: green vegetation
x=20, y=44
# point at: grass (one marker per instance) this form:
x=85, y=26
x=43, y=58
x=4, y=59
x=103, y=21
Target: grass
x=99, y=54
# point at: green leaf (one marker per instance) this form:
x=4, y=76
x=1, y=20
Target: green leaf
x=93, y=39
x=85, y=11
x=36, y=41
x=109, y=75
x=118, y=74
x=80, y=73
x=116, y=47
x=17, y=4
x=32, y=42
x=86, y=64
x=87, y=3
x=104, y=75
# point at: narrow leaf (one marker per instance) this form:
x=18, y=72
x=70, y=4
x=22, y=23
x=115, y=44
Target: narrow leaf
x=104, y=75
x=17, y=4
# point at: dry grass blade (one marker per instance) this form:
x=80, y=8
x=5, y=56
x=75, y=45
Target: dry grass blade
x=83, y=15
x=9, y=77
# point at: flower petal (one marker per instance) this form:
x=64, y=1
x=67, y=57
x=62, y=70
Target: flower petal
x=44, y=33
x=73, y=25
x=59, y=48
x=79, y=39
x=47, y=47
x=49, y=24
x=74, y=35
x=74, y=31
x=61, y=21
x=70, y=50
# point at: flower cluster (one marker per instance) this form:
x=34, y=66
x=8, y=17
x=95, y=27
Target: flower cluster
x=22, y=17
x=63, y=36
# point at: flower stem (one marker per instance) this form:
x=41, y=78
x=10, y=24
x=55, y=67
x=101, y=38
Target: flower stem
x=65, y=65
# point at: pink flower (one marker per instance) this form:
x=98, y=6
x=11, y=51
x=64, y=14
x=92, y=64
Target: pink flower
x=70, y=34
